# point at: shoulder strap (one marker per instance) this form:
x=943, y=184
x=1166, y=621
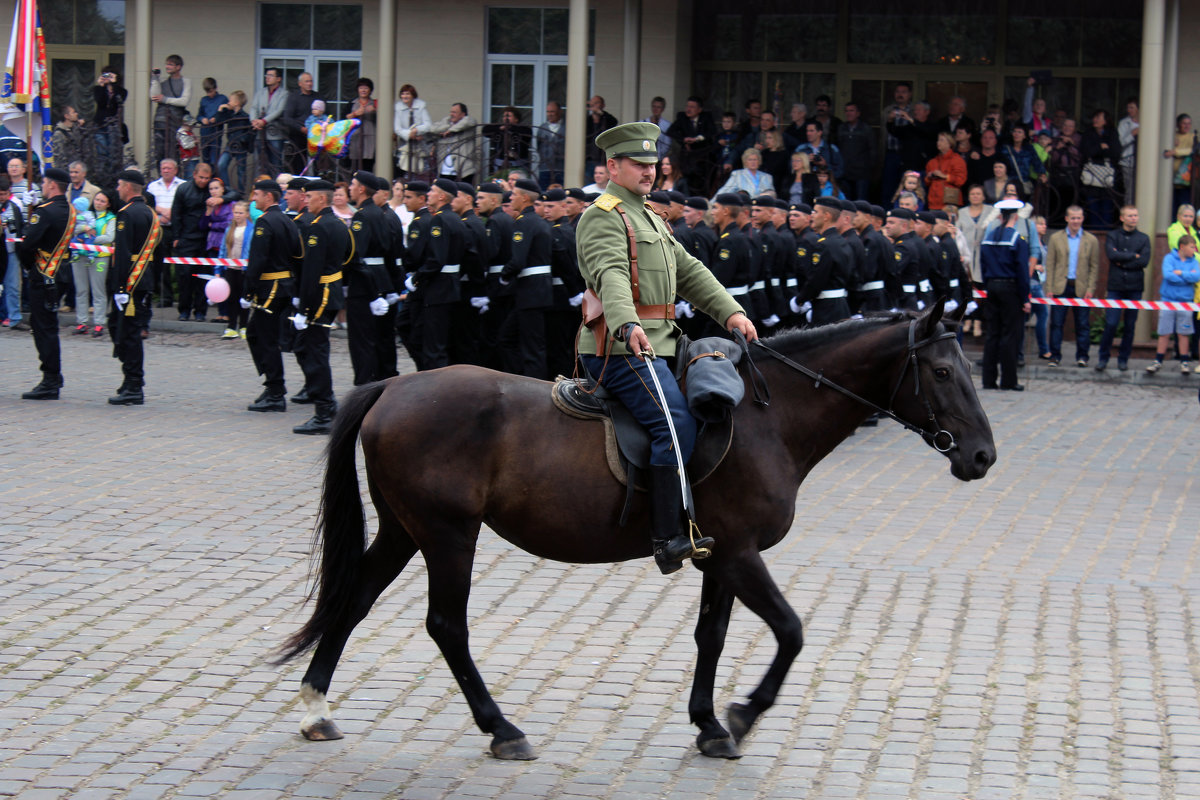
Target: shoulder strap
x=633, y=258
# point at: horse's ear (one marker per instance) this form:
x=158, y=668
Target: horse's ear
x=934, y=316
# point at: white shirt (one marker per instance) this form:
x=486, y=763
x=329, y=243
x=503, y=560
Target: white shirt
x=404, y=214
x=593, y=188
x=164, y=195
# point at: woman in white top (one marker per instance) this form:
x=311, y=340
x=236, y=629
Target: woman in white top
x=750, y=178
x=236, y=244
x=411, y=122
x=973, y=220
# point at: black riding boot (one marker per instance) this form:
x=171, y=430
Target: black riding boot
x=671, y=544
x=321, y=422
x=47, y=388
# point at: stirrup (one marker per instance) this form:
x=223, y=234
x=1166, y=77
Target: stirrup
x=701, y=545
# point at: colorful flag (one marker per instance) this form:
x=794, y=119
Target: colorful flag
x=25, y=77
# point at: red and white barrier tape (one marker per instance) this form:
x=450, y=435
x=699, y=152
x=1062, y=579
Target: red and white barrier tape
x=91, y=248
x=208, y=262
x=1095, y=302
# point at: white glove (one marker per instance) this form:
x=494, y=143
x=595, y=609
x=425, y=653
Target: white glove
x=771, y=321
x=794, y=306
x=951, y=305
x=120, y=300
x=379, y=306
x=409, y=283
x=243, y=302
x=299, y=321
x=920, y=305
x=684, y=309
x=295, y=302
x=576, y=301
x=808, y=314
x=392, y=298
x=480, y=303
x=971, y=306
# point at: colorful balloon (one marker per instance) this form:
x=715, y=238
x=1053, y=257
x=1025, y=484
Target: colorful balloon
x=217, y=290
x=331, y=137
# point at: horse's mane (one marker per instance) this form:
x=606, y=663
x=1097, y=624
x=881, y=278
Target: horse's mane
x=795, y=339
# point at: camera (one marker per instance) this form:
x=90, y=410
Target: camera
x=156, y=72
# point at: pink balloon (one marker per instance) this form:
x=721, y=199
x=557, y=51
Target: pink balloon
x=217, y=290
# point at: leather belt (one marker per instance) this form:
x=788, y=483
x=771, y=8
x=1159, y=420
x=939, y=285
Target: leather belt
x=528, y=271
x=870, y=287
x=373, y=261
x=831, y=294
x=274, y=276
x=655, y=312
x=337, y=276
x=758, y=286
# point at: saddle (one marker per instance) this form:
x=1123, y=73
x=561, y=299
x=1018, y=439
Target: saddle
x=626, y=442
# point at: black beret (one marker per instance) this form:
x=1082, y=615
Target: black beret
x=58, y=175
x=319, y=185
x=698, y=203
x=863, y=206
x=848, y=205
x=878, y=212
x=781, y=204
x=465, y=188
x=382, y=184
x=829, y=202
x=298, y=183
x=592, y=197
x=577, y=194
x=901, y=213
x=529, y=185
x=490, y=188
x=263, y=186
x=939, y=214
x=504, y=198
x=135, y=177
x=677, y=197
x=730, y=199
x=367, y=179
x=927, y=217
x=417, y=187
x=803, y=208
x=763, y=201
x=659, y=196
x=554, y=195
x=446, y=185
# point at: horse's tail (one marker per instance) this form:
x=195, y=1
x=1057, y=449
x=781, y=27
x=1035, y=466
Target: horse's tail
x=341, y=525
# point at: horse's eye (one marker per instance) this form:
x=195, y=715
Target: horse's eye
x=942, y=373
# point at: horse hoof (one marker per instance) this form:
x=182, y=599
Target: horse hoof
x=724, y=747
x=741, y=720
x=324, y=731
x=513, y=749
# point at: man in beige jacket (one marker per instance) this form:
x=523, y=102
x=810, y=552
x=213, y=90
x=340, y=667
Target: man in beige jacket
x=1072, y=264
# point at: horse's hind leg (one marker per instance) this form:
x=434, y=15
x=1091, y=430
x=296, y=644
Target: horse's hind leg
x=449, y=587
x=716, y=602
x=752, y=584
x=381, y=563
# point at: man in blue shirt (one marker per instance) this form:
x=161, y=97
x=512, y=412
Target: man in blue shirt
x=1072, y=264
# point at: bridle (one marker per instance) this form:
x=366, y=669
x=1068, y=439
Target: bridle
x=940, y=439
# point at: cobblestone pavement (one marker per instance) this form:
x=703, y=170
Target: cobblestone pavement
x=1029, y=635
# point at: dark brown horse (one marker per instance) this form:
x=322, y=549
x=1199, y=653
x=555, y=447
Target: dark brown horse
x=450, y=449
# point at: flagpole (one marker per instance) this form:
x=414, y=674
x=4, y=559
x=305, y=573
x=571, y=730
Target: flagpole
x=29, y=146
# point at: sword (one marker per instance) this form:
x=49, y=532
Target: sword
x=684, y=488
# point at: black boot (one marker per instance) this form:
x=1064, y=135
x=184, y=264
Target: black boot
x=130, y=395
x=671, y=544
x=321, y=422
x=301, y=397
x=47, y=389
x=268, y=402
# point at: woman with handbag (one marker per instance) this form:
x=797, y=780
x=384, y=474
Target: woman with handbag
x=1022, y=162
x=1101, y=150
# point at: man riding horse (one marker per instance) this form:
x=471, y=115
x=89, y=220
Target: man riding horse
x=636, y=268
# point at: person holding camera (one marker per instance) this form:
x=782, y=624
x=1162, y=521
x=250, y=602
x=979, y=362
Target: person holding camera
x=171, y=96
x=108, y=95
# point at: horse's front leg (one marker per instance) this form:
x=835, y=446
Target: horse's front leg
x=751, y=583
x=716, y=602
x=449, y=587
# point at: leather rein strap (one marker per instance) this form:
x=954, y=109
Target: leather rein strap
x=934, y=439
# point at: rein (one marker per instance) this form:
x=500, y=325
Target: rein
x=936, y=440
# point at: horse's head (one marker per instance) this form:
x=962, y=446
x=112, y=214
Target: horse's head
x=935, y=394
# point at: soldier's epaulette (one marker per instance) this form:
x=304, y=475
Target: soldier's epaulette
x=607, y=202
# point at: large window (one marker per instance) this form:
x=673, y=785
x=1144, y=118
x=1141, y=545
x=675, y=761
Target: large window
x=1074, y=34
x=322, y=40
x=527, y=61
x=944, y=32
x=83, y=22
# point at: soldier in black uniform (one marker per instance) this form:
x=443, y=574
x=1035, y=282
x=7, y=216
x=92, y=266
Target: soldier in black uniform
x=858, y=253
x=433, y=257
x=328, y=248
x=499, y=229
x=757, y=281
x=275, y=250
x=467, y=317
x=385, y=340
x=367, y=282
x=409, y=318
x=129, y=283
x=878, y=257
x=42, y=252
x=568, y=286
x=574, y=205
x=950, y=273
x=772, y=254
x=831, y=269
x=295, y=208
x=523, y=337
x=732, y=260
x=800, y=222
x=931, y=264
x=704, y=239
x=787, y=259
x=909, y=253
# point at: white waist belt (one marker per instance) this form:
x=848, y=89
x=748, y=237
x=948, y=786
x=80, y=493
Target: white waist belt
x=774, y=281
x=926, y=286
x=758, y=286
x=495, y=269
x=793, y=282
x=953, y=283
x=373, y=261
x=831, y=294
x=451, y=269
x=556, y=281
x=870, y=287
x=542, y=270
x=738, y=290
x=910, y=288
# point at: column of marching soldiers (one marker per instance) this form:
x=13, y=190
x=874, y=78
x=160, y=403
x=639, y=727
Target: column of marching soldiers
x=489, y=277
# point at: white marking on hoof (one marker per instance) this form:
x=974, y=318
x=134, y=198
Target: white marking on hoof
x=317, y=708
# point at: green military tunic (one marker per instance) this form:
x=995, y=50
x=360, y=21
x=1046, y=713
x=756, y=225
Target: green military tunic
x=665, y=269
